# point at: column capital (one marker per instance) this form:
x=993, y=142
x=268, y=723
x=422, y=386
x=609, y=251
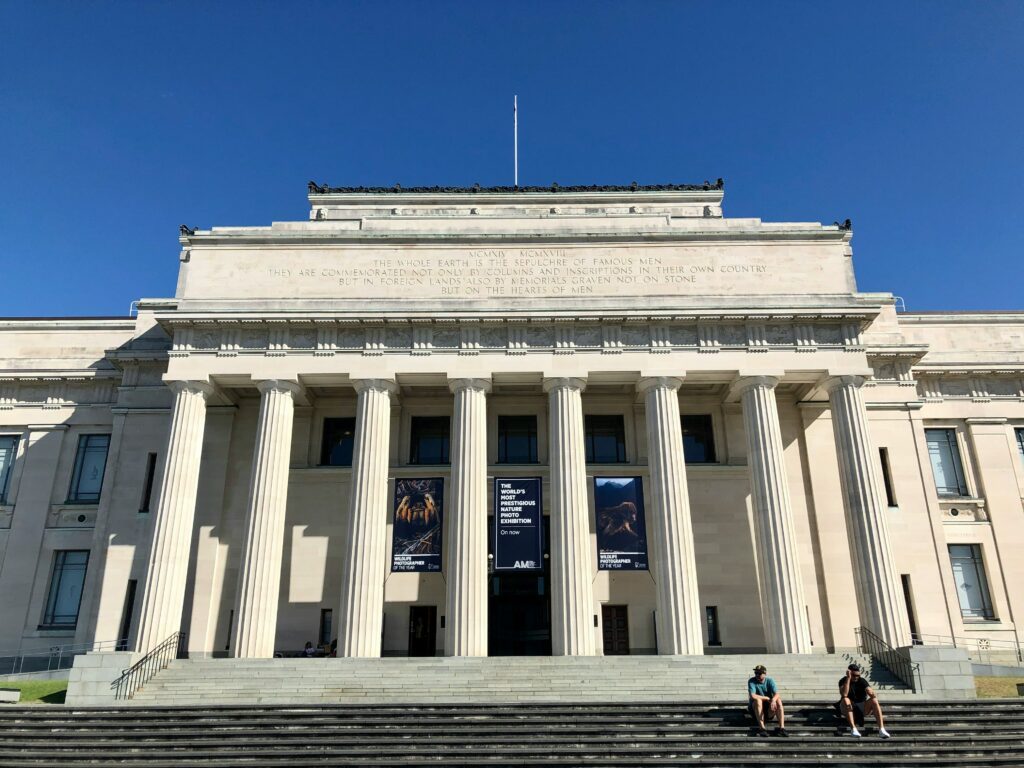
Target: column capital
x=652, y=382
x=743, y=383
x=194, y=387
x=832, y=383
x=567, y=382
x=380, y=385
x=284, y=386
x=470, y=383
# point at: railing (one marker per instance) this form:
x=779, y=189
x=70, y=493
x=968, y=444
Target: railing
x=897, y=662
x=143, y=670
x=52, y=658
x=980, y=650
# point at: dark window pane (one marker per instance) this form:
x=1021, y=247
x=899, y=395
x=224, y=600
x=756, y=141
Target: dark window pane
x=971, y=584
x=605, y=438
x=429, y=440
x=517, y=439
x=90, y=464
x=698, y=439
x=946, y=465
x=8, y=449
x=66, y=588
x=336, y=447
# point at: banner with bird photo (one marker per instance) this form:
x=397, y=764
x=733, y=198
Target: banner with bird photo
x=416, y=537
x=621, y=528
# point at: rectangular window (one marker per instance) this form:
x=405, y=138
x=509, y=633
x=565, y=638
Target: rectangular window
x=429, y=440
x=946, y=466
x=8, y=450
x=517, y=439
x=126, y=615
x=890, y=493
x=971, y=584
x=908, y=601
x=326, y=617
x=1020, y=442
x=698, y=439
x=605, y=438
x=338, y=441
x=65, y=589
x=147, y=483
x=711, y=613
x=90, y=464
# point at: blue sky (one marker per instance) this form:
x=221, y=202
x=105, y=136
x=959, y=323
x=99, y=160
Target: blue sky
x=119, y=121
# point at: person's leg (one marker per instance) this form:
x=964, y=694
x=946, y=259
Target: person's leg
x=781, y=714
x=848, y=711
x=757, y=713
x=874, y=708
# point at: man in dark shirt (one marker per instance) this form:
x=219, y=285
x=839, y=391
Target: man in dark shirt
x=859, y=700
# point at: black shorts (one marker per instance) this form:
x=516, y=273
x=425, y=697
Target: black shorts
x=765, y=707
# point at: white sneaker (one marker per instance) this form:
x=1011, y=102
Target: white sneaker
x=855, y=733
x=883, y=734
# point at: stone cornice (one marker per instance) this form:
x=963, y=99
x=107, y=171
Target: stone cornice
x=231, y=336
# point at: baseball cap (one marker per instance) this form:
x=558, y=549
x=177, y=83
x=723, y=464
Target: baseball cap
x=760, y=668
x=854, y=668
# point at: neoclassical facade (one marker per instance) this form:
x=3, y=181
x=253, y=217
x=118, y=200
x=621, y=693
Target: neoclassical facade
x=569, y=421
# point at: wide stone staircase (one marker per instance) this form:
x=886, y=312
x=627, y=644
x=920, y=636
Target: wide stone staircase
x=507, y=679
x=607, y=734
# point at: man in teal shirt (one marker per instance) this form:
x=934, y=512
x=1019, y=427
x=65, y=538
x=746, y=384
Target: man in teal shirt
x=765, y=702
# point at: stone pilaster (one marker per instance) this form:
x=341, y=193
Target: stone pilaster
x=572, y=574
x=782, y=594
x=259, y=579
x=167, y=570
x=672, y=551
x=361, y=616
x=466, y=522
x=877, y=585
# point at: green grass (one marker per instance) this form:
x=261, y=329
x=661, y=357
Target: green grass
x=997, y=687
x=40, y=691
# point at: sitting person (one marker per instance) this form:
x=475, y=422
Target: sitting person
x=765, y=702
x=309, y=651
x=858, y=700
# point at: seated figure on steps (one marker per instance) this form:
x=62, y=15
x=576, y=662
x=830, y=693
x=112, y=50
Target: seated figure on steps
x=858, y=700
x=765, y=703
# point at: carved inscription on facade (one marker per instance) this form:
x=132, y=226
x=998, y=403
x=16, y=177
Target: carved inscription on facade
x=516, y=272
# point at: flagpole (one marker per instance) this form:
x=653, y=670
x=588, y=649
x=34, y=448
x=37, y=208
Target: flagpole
x=515, y=138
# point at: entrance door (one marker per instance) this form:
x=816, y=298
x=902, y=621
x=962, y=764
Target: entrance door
x=422, y=630
x=616, y=630
x=519, y=608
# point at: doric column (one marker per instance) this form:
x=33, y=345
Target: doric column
x=782, y=594
x=259, y=578
x=672, y=553
x=572, y=593
x=361, y=616
x=167, y=571
x=466, y=522
x=877, y=586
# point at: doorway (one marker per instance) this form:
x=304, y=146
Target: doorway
x=615, y=621
x=422, y=630
x=519, y=607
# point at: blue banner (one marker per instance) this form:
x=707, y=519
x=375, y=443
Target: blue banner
x=518, y=515
x=416, y=536
x=621, y=529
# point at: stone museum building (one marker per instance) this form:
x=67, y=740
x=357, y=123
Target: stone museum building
x=570, y=421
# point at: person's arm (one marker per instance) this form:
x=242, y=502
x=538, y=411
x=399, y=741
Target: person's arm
x=870, y=692
x=844, y=686
x=754, y=696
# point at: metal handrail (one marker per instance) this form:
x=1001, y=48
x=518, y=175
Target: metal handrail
x=145, y=668
x=979, y=649
x=52, y=658
x=894, y=660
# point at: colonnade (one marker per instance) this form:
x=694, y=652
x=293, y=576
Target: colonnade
x=671, y=534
